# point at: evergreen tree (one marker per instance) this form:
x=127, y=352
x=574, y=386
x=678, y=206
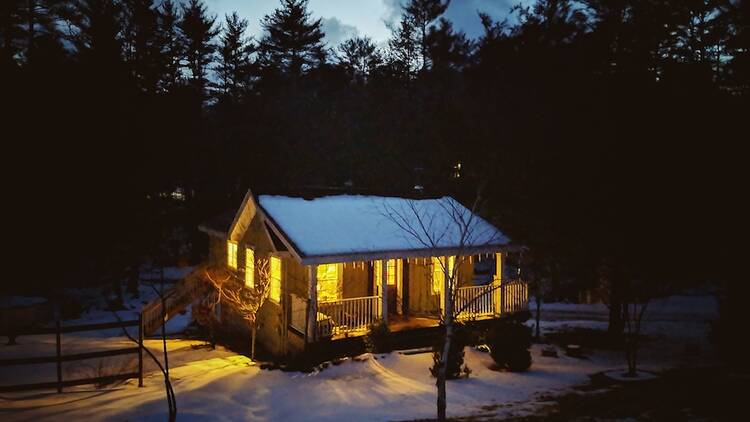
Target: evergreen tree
x=97, y=35
x=422, y=14
x=199, y=30
x=11, y=32
x=171, y=45
x=293, y=43
x=403, y=51
x=360, y=57
x=448, y=49
x=141, y=46
x=738, y=46
x=234, y=65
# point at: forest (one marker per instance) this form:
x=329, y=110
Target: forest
x=597, y=132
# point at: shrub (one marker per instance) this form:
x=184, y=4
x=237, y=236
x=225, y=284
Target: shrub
x=456, y=367
x=378, y=339
x=509, y=343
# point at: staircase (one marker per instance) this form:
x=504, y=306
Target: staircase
x=176, y=299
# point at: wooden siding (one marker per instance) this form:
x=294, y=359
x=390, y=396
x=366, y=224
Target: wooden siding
x=355, y=279
x=422, y=300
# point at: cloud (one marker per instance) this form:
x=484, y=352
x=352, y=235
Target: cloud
x=337, y=31
x=393, y=10
x=463, y=13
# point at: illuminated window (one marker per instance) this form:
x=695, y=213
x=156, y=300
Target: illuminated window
x=232, y=254
x=275, y=293
x=249, y=268
x=438, y=272
x=391, y=274
x=328, y=281
x=377, y=272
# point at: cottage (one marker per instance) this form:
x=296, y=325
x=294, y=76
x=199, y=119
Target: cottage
x=339, y=264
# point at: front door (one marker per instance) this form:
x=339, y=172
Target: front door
x=392, y=298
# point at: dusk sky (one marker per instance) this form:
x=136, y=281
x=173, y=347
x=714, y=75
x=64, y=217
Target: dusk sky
x=344, y=19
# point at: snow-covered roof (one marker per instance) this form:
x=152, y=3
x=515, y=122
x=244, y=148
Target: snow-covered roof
x=329, y=228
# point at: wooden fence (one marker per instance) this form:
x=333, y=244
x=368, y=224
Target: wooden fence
x=59, y=358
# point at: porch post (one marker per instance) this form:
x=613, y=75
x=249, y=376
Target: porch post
x=384, y=291
x=498, y=281
x=312, y=307
x=447, y=291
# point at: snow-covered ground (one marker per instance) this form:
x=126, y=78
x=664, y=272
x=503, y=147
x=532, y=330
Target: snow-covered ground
x=220, y=385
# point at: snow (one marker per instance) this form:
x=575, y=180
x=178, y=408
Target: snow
x=170, y=273
x=346, y=224
x=221, y=385
x=20, y=301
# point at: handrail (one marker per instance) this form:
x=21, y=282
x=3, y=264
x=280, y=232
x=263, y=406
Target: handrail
x=347, y=315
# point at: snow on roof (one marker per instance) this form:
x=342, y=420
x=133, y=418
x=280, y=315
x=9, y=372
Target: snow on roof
x=355, y=224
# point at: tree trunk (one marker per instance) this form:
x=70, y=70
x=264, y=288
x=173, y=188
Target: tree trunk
x=252, y=341
x=538, y=316
x=441, y=387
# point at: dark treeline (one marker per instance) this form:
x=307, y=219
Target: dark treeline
x=599, y=130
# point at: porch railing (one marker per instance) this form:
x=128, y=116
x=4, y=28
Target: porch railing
x=478, y=300
x=514, y=296
x=481, y=301
x=347, y=315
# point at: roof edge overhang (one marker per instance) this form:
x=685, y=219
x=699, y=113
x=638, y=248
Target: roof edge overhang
x=212, y=232
x=409, y=253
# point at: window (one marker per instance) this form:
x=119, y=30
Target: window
x=391, y=274
x=275, y=293
x=328, y=282
x=438, y=272
x=232, y=254
x=377, y=272
x=249, y=268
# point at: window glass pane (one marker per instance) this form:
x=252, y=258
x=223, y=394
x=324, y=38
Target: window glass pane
x=232, y=254
x=275, y=292
x=328, y=282
x=438, y=274
x=391, y=274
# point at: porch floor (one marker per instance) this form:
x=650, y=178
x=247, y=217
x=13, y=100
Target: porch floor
x=403, y=322
x=396, y=323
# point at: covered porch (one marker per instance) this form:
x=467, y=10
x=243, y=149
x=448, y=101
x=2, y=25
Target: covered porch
x=405, y=293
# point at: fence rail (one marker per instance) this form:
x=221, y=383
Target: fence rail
x=59, y=358
x=347, y=315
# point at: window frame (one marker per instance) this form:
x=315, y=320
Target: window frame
x=232, y=248
x=271, y=289
x=249, y=267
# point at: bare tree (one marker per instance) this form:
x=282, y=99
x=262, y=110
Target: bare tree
x=638, y=294
x=449, y=226
x=245, y=301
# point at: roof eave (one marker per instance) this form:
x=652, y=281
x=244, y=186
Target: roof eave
x=409, y=253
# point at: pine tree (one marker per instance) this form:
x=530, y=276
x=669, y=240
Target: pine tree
x=422, y=14
x=446, y=48
x=141, y=43
x=97, y=35
x=360, y=57
x=293, y=43
x=234, y=65
x=403, y=51
x=199, y=31
x=172, y=47
x=11, y=32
